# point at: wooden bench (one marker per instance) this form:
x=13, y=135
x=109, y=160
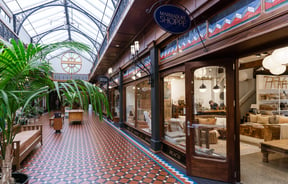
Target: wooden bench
x=276, y=146
x=25, y=141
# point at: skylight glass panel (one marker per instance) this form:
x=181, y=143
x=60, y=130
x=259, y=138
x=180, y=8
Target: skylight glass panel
x=49, y=18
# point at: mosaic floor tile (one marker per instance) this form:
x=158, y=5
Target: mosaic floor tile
x=92, y=152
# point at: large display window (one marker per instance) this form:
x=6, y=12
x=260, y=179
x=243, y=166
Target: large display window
x=175, y=109
x=138, y=106
x=130, y=105
x=144, y=106
x=116, y=103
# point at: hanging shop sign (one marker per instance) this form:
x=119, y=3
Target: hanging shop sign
x=172, y=19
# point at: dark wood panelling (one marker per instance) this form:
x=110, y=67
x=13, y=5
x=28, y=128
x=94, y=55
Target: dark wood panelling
x=176, y=153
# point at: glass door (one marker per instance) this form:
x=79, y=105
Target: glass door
x=210, y=96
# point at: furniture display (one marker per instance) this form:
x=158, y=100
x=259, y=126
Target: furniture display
x=75, y=115
x=175, y=131
x=272, y=94
x=276, y=146
x=25, y=141
x=267, y=127
x=206, y=133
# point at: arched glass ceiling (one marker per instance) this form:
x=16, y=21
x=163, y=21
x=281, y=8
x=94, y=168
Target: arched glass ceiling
x=60, y=20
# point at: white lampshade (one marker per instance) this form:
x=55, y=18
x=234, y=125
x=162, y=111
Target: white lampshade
x=110, y=70
x=280, y=56
x=137, y=46
x=267, y=62
x=132, y=47
x=278, y=69
x=216, y=89
x=133, y=77
x=138, y=74
x=202, y=88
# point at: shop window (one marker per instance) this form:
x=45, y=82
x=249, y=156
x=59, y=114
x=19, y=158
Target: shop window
x=175, y=109
x=210, y=111
x=130, y=105
x=116, y=103
x=144, y=106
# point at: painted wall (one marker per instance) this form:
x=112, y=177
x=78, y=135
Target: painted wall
x=177, y=90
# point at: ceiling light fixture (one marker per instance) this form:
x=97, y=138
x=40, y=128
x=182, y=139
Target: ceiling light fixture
x=276, y=63
x=216, y=88
x=202, y=88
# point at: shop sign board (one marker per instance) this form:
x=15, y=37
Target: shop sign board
x=172, y=19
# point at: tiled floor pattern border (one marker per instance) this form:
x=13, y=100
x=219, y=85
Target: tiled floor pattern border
x=168, y=167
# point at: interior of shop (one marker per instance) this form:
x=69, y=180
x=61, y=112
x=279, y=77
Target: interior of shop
x=263, y=106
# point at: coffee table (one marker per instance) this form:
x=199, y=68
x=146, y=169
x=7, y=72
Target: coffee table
x=276, y=146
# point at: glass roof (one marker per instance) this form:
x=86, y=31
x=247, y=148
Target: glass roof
x=51, y=21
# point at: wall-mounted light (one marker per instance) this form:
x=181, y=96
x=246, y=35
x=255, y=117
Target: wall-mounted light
x=138, y=74
x=110, y=70
x=134, y=53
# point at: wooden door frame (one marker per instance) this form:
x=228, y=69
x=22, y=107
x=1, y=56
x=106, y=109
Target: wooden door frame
x=228, y=170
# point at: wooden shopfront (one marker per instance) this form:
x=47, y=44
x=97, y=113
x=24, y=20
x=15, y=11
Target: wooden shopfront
x=188, y=131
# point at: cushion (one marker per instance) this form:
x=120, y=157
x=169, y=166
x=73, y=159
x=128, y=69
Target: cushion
x=26, y=138
x=283, y=119
x=274, y=119
x=263, y=119
x=221, y=122
x=253, y=118
x=207, y=121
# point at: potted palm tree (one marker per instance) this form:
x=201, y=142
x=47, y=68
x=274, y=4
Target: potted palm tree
x=25, y=76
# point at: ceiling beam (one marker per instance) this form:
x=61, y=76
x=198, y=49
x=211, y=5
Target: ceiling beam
x=67, y=20
x=252, y=64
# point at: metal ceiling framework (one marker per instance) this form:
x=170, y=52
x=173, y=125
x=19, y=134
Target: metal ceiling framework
x=91, y=26
x=38, y=37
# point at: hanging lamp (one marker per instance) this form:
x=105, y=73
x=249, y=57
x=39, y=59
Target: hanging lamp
x=203, y=87
x=216, y=88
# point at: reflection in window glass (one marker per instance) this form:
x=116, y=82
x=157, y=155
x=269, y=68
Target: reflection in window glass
x=144, y=106
x=116, y=103
x=130, y=105
x=175, y=109
x=210, y=112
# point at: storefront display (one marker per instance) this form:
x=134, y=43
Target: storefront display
x=175, y=109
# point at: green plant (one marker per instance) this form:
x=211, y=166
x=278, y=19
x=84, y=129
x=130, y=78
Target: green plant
x=25, y=76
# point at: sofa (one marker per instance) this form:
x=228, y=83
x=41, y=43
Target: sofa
x=25, y=141
x=267, y=127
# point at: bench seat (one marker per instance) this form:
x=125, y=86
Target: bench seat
x=26, y=138
x=25, y=141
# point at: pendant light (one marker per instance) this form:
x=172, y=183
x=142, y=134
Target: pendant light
x=202, y=88
x=216, y=88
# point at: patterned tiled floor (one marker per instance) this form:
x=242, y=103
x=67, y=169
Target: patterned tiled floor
x=94, y=152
